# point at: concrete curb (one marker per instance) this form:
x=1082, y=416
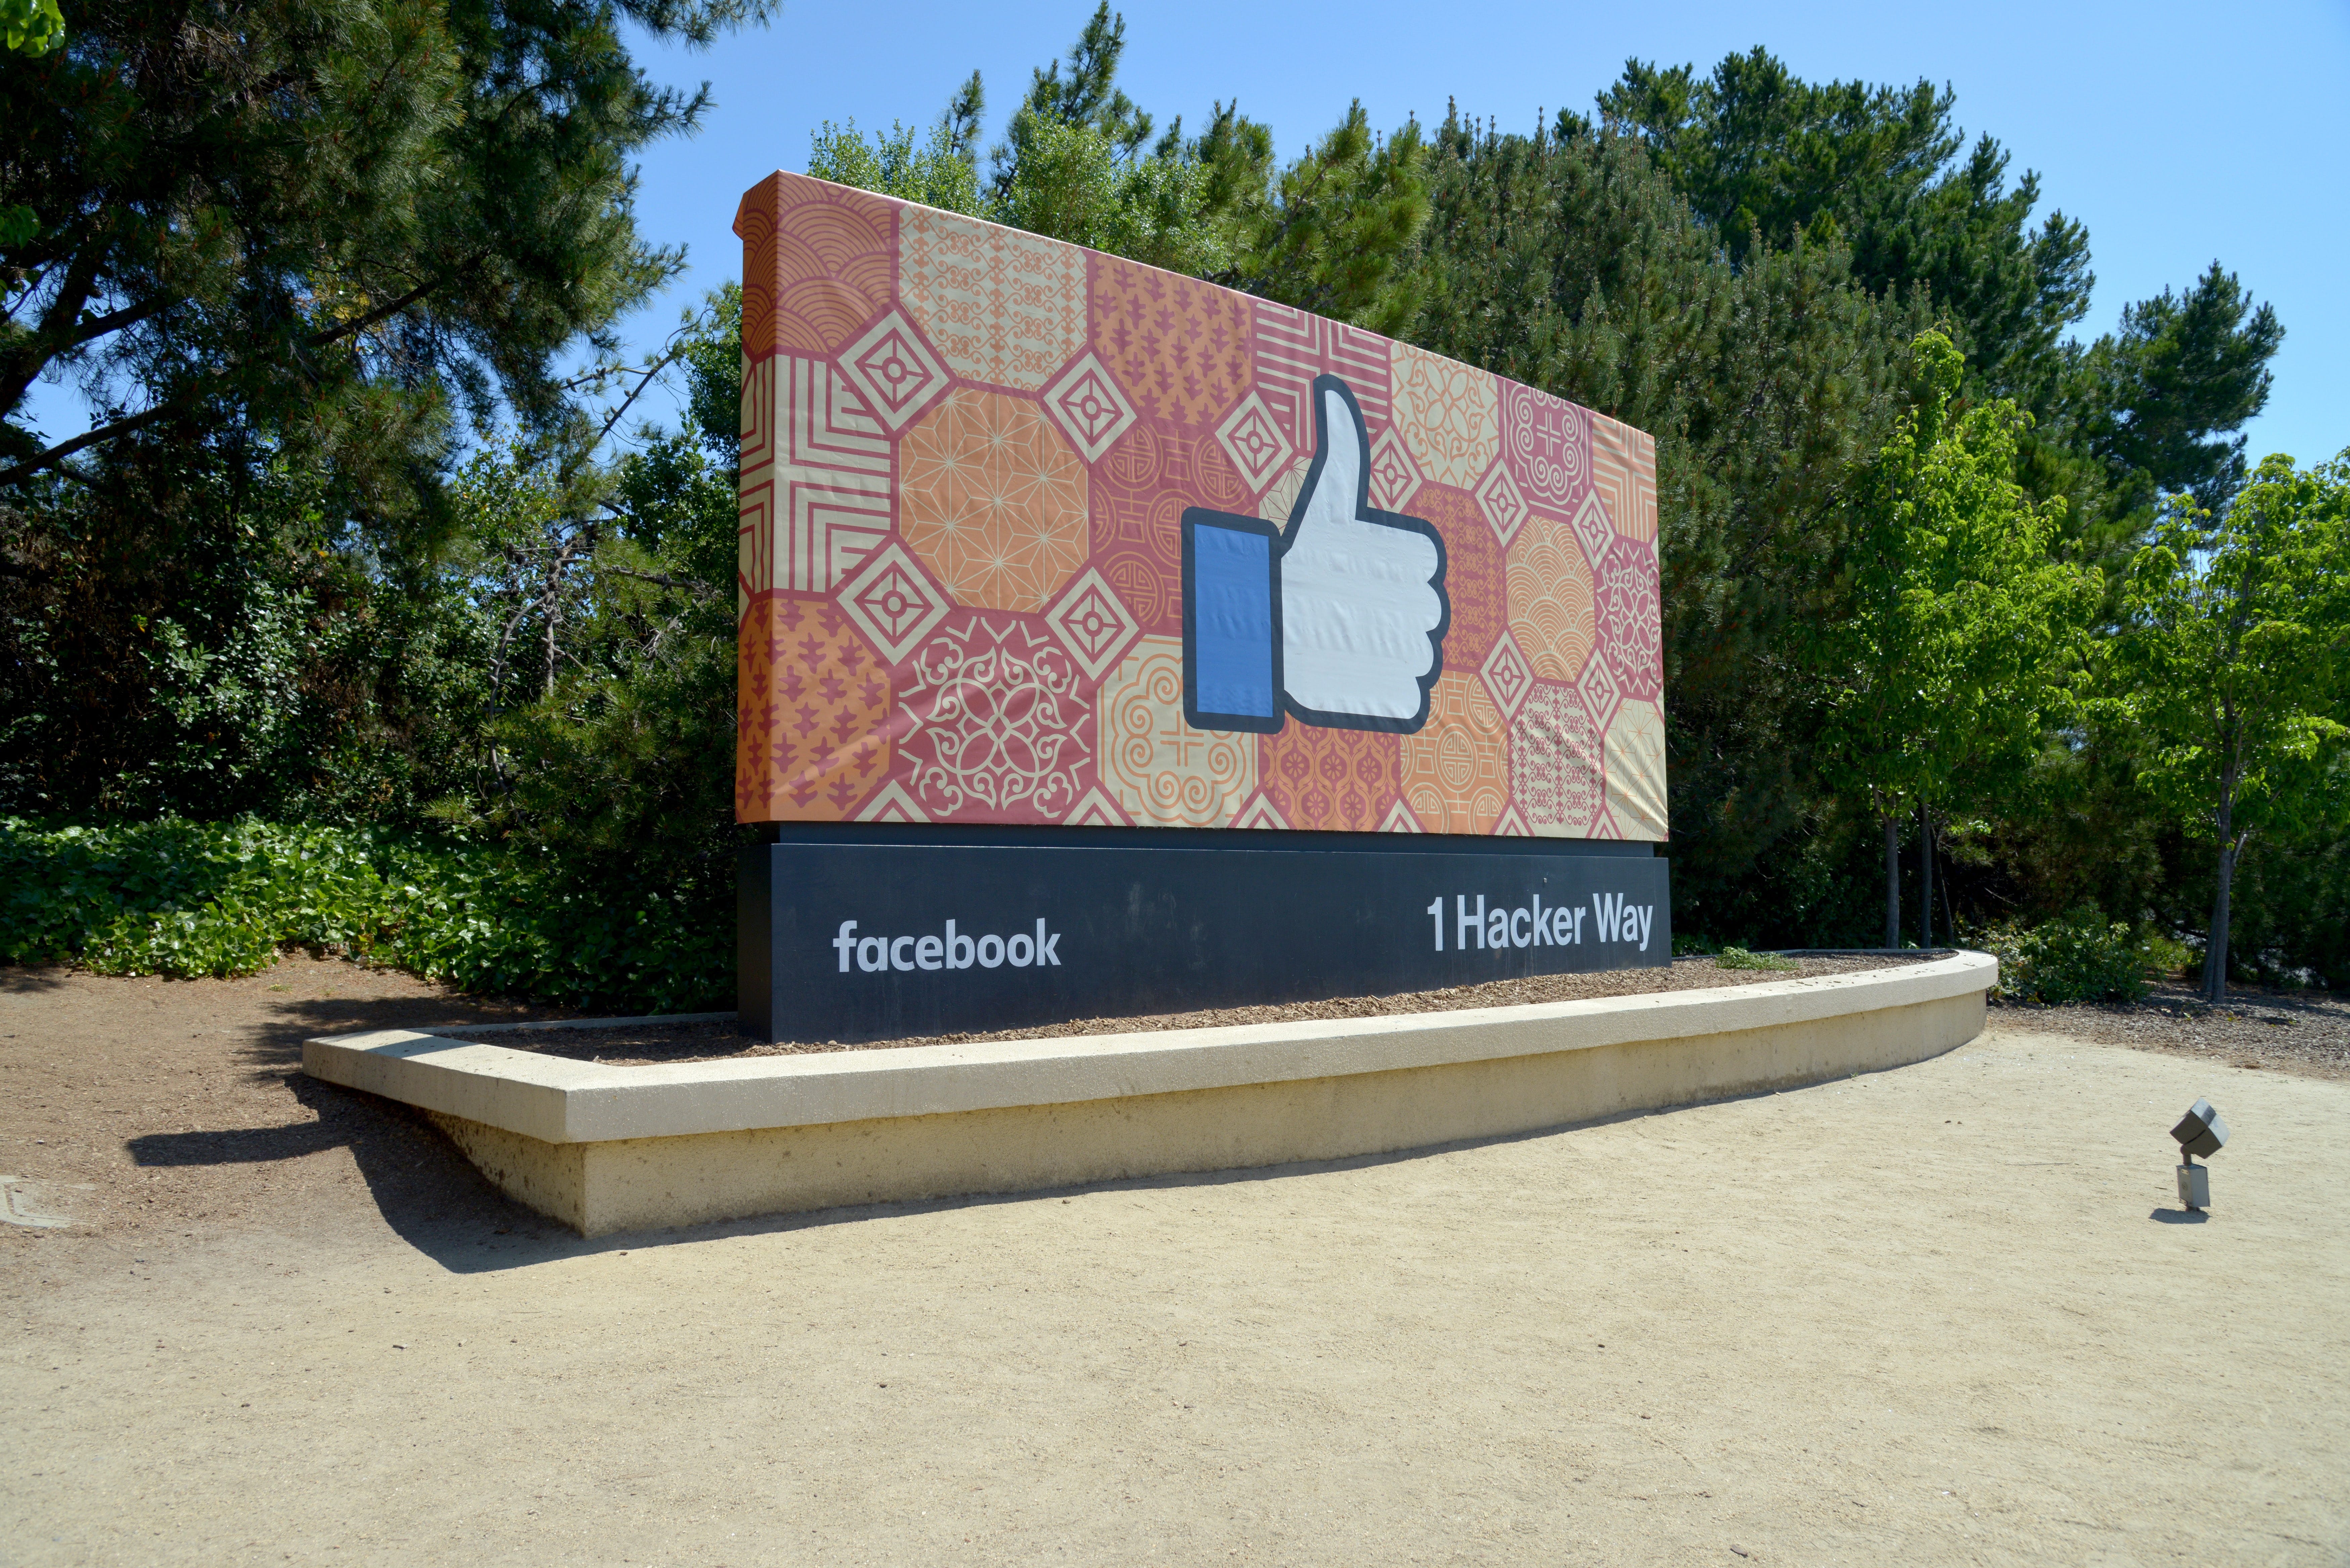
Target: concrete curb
x=557, y=1100
x=1013, y=1114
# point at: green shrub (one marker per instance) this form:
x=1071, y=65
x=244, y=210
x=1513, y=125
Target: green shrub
x=1739, y=957
x=178, y=897
x=2079, y=958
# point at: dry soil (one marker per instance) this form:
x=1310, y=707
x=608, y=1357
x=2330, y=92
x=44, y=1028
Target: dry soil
x=1950, y=1313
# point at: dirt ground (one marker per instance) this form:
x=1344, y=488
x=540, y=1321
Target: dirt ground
x=1950, y=1313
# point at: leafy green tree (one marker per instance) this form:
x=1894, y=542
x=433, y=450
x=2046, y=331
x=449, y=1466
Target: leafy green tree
x=1333, y=232
x=1566, y=260
x=2161, y=397
x=1881, y=171
x=26, y=27
x=1949, y=657
x=1762, y=154
x=938, y=172
x=326, y=225
x=31, y=27
x=606, y=586
x=208, y=637
x=2234, y=662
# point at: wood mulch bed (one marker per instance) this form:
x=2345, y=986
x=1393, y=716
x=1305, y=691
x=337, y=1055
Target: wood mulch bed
x=644, y=1045
x=2305, y=1032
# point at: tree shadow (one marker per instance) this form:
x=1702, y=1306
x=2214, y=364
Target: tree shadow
x=32, y=979
x=274, y=1047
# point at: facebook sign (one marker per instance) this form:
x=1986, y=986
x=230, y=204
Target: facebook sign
x=859, y=933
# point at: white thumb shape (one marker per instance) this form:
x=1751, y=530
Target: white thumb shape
x=1361, y=611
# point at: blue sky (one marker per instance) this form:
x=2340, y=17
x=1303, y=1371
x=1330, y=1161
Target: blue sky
x=2179, y=134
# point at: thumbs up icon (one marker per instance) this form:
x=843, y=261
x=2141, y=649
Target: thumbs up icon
x=1341, y=620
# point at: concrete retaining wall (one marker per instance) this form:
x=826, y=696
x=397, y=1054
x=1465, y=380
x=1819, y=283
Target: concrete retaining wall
x=607, y=1148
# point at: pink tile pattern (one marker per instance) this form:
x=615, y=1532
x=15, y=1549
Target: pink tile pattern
x=966, y=456
x=1549, y=445
x=1555, y=763
x=994, y=714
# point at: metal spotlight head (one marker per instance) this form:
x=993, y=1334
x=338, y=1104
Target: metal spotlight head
x=2200, y=1131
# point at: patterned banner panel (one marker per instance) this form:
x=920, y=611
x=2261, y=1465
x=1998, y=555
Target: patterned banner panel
x=1033, y=535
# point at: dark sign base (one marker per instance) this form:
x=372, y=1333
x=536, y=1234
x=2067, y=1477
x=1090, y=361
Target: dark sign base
x=852, y=933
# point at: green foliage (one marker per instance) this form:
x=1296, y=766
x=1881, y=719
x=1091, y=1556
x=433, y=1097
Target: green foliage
x=2183, y=370
x=1569, y=263
x=31, y=27
x=1947, y=660
x=26, y=27
x=1332, y=232
x=2080, y=956
x=1739, y=957
x=2232, y=665
x=325, y=227
x=937, y=173
x=175, y=898
x=209, y=638
x=1763, y=156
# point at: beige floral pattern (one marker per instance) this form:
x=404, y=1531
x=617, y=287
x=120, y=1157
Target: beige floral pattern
x=1004, y=307
x=1161, y=769
x=1449, y=415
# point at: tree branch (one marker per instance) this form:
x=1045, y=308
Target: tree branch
x=20, y=472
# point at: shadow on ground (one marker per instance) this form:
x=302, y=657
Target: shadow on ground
x=435, y=1198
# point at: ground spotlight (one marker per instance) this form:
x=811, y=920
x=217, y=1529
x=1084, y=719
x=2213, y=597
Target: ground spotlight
x=2200, y=1131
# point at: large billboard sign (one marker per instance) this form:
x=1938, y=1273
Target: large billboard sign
x=1033, y=536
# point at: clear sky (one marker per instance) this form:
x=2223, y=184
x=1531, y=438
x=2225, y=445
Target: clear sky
x=2179, y=134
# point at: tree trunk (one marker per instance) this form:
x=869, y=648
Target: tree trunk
x=1892, y=880
x=1924, y=878
x=2215, y=950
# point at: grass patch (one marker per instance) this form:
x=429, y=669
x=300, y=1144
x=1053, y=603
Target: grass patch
x=1739, y=957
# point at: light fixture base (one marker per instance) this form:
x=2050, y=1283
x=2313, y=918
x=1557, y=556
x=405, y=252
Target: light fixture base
x=2195, y=1185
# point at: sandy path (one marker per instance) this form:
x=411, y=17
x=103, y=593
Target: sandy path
x=1831, y=1326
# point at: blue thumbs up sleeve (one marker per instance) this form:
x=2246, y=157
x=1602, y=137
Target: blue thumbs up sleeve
x=1232, y=640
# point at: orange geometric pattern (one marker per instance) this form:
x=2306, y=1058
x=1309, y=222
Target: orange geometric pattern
x=1337, y=780
x=1456, y=769
x=1473, y=580
x=1552, y=612
x=994, y=719
x=1182, y=349
x=1139, y=491
x=993, y=501
x=1547, y=442
x=1004, y=307
x=1449, y=414
x=1624, y=471
x=812, y=711
x=1554, y=763
x=816, y=264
